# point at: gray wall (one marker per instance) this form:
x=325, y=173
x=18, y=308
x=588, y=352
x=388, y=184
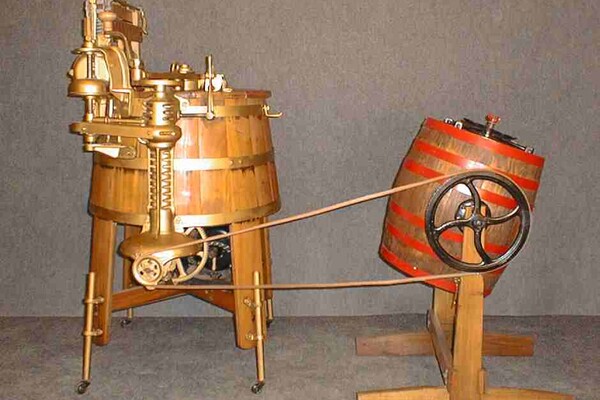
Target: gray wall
x=355, y=80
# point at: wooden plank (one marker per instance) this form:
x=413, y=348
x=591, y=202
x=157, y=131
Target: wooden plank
x=101, y=263
x=524, y=394
x=132, y=33
x=401, y=344
x=140, y=296
x=220, y=298
x=440, y=345
x=124, y=12
x=417, y=393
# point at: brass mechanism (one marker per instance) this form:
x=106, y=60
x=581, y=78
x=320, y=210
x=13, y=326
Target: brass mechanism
x=122, y=102
x=148, y=248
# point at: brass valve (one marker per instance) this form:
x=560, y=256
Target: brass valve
x=491, y=121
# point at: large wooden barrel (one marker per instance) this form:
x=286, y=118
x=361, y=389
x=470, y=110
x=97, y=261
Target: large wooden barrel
x=224, y=168
x=439, y=149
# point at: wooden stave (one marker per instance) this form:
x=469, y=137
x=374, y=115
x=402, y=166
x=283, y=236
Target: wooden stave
x=120, y=193
x=404, y=244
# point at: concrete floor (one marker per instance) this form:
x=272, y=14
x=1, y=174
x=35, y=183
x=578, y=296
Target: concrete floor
x=312, y=358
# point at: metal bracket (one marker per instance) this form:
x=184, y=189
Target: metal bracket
x=92, y=333
x=111, y=150
x=97, y=300
x=253, y=337
x=248, y=302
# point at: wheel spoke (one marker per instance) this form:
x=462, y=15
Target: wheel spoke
x=503, y=218
x=457, y=223
x=475, y=195
x=479, y=247
x=179, y=266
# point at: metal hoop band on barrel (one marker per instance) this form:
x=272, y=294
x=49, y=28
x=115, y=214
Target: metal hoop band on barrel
x=188, y=220
x=191, y=164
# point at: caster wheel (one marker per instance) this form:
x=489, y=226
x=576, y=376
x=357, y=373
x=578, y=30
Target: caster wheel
x=82, y=387
x=270, y=322
x=125, y=322
x=257, y=387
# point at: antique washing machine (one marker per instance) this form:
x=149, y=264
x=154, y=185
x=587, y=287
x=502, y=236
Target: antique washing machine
x=178, y=156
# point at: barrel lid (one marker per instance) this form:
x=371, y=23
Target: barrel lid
x=196, y=85
x=509, y=148
x=488, y=131
x=233, y=94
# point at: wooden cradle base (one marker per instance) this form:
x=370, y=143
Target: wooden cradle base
x=455, y=336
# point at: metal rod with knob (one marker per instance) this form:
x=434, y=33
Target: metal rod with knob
x=88, y=331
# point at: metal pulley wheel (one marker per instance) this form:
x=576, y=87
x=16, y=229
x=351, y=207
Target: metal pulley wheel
x=151, y=270
x=478, y=220
x=148, y=270
x=219, y=251
x=215, y=259
x=190, y=267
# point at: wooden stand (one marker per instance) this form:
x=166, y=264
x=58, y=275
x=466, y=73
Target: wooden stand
x=250, y=258
x=248, y=251
x=455, y=335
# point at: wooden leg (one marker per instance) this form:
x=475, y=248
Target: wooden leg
x=524, y=394
x=128, y=280
x=466, y=382
x=267, y=272
x=101, y=263
x=445, y=308
x=417, y=393
x=246, y=255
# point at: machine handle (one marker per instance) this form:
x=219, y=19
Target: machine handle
x=266, y=110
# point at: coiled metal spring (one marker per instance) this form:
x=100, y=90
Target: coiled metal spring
x=160, y=179
x=166, y=179
x=152, y=172
x=167, y=112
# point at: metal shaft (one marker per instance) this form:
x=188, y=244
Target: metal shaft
x=87, y=327
x=258, y=320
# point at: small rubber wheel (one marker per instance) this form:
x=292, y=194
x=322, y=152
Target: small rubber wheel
x=125, y=322
x=257, y=387
x=82, y=387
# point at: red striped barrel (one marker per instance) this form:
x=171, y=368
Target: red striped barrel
x=439, y=149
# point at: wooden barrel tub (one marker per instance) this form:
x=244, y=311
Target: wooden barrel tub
x=224, y=168
x=439, y=149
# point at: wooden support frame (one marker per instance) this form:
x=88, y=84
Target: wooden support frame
x=251, y=252
x=251, y=264
x=455, y=336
